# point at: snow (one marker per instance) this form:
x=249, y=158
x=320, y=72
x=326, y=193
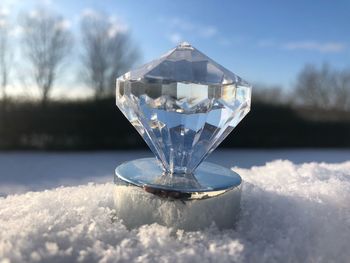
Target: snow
x=289, y=213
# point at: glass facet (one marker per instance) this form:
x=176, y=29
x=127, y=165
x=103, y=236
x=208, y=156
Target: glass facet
x=183, y=105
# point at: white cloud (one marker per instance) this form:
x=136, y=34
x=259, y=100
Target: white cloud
x=208, y=31
x=182, y=24
x=180, y=27
x=4, y=11
x=326, y=47
x=116, y=26
x=88, y=12
x=175, y=38
x=322, y=47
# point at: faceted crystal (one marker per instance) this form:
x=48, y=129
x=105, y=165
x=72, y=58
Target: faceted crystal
x=184, y=105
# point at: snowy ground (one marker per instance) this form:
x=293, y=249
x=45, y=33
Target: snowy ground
x=36, y=171
x=291, y=211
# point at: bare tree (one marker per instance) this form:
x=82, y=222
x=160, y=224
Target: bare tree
x=323, y=88
x=46, y=43
x=107, y=52
x=5, y=51
x=342, y=90
x=314, y=86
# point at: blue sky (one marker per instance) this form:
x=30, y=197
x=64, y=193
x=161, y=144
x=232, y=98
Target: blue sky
x=262, y=41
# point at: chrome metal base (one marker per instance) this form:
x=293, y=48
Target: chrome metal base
x=144, y=195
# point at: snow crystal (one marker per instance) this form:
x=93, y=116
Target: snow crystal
x=289, y=213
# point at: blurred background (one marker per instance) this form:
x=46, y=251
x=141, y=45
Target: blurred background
x=59, y=61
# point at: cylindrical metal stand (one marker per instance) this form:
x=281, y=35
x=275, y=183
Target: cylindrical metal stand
x=144, y=195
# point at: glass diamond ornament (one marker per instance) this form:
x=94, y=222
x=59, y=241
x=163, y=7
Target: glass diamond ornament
x=183, y=105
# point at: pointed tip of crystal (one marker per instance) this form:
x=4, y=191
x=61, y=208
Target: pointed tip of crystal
x=185, y=64
x=185, y=45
